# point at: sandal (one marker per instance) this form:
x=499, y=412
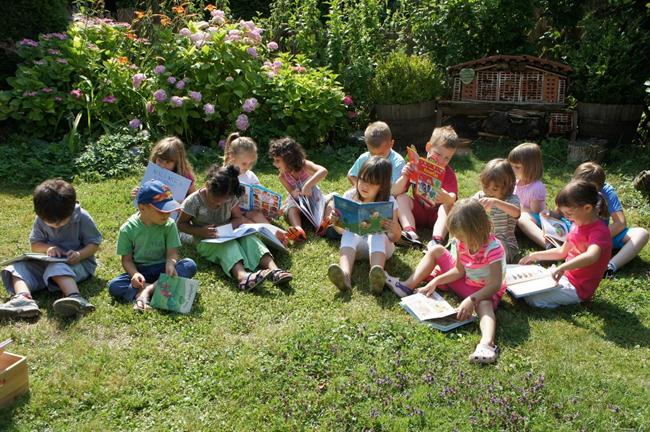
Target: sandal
x=296, y=234
x=322, y=229
x=253, y=280
x=484, y=354
x=377, y=279
x=398, y=287
x=339, y=278
x=410, y=238
x=279, y=277
x=142, y=304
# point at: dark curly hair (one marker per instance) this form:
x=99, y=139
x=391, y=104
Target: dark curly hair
x=224, y=181
x=290, y=151
x=54, y=200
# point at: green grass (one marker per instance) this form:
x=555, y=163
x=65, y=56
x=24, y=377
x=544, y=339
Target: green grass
x=307, y=357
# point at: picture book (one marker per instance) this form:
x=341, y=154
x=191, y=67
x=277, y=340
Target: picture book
x=313, y=207
x=174, y=293
x=434, y=311
x=256, y=197
x=555, y=230
x=362, y=218
x=268, y=234
x=178, y=184
x=33, y=256
x=525, y=280
x=427, y=177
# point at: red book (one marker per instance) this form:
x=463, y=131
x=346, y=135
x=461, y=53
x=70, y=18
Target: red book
x=427, y=176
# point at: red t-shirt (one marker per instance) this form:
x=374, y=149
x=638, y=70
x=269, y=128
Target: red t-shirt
x=449, y=183
x=586, y=279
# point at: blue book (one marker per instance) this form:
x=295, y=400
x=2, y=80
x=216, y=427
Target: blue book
x=259, y=198
x=362, y=218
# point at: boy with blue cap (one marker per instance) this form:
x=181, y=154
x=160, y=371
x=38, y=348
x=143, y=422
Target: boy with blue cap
x=147, y=243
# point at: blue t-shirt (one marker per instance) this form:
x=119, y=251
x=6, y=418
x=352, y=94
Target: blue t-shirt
x=396, y=160
x=613, y=203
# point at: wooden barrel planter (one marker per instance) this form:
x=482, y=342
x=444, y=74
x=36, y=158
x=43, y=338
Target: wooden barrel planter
x=410, y=124
x=592, y=149
x=615, y=123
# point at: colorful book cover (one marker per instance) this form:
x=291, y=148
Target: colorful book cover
x=313, y=207
x=175, y=294
x=427, y=176
x=257, y=197
x=362, y=218
x=555, y=230
x=434, y=311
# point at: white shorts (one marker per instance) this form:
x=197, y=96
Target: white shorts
x=367, y=244
x=565, y=295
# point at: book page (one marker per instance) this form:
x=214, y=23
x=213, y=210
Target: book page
x=554, y=228
x=427, y=308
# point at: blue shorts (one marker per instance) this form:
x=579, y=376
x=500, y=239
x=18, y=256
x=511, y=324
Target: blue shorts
x=617, y=241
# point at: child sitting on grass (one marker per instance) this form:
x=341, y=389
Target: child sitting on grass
x=216, y=204
x=476, y=273
x=62, y=229
x=148, y=243
x=372, y=185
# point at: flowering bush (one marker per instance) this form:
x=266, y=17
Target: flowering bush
x=200, y=80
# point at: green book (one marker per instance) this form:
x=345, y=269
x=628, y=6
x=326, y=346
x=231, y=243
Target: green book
x=175, y=294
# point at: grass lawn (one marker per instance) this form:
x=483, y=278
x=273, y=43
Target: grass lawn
x=307, y=357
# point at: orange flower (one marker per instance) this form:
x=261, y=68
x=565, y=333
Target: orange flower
x=122, y=60
x=139, y=14
x=178, y=10
x=131, y=35
x=210, y=7
x=164, y=20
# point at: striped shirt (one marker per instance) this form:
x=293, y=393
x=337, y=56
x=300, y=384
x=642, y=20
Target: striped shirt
x=503, y=225
x=477, y=265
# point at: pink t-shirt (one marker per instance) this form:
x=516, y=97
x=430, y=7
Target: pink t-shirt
x=535, y=191
x=586, y=279
x=477, y=265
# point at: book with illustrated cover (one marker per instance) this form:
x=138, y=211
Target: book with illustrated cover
x=362, y=218
x=178, y=184
x=525, y=280
x=434, y=311
x=257, y=197
x=313, y=207
x=33, y=256
x=427, y=177
x=174, y=293
x=555, y=230
x=268, y=234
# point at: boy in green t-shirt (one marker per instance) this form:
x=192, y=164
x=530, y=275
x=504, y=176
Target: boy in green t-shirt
x=147, y=243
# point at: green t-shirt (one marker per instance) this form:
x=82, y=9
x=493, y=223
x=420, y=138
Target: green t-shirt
x=147, y=243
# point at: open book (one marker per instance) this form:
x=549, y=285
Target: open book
x=362, y=218
x=555, y=230
x=268, y=233
x=427, y=177
x=313, y=207
x=33, y=256
x=178, y=184
x=525, y=280
x=256, y=197
x=174, y=294
x=434, y=311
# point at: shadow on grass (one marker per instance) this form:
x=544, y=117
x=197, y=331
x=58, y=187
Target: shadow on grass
x=18, y=191
x=7, y=413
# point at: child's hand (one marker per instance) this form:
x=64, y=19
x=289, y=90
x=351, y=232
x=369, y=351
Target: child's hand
x=444, y=197
x=557, y=273
x=170, y=267
x=387, y=225
x=408, y=169
x=295, y=194
x=209, y=231
x=306, y=190
x=55, y=251
x=466, y=309
x=428, y=289
x=334, y=218
x=134, y=192
x=487, y=203
x=528, y=259
x=73, y=257
x=137, y=281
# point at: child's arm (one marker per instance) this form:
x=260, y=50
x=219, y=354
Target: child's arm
x=137, y=280
x=184, y=225
x=352, y=179
x=170, y=262
x=445, y=198
x=511, y=210
x=236, y=218
x=319, y=173
x=392, y=228
x=450, y=276
x=536, y=206
x=547, y=255
x=48, y=249
x=402, y=184
x=492, y=286
x=87, y=251
x=585, y=259
x=618, y=223
x=295, y=193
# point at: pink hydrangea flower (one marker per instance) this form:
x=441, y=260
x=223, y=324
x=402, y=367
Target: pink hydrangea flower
x=62, y=61
x=272, y=46
x=150, y=107
x=135, y=123
x=28, y=43
x=222, y=144
x=218, y=17
x=30, y=93
x=180, y=84
x=195, y=96
x=171, y=80
x=249, y=105
x=233, y=36
x=158, y=70
x=347, y=100
x=138, y=79
x=185, y=32
x=242, y=122
x=176, y=101
x=208, y=109
x=252, y=51
x=352, y=114
x=160, y=95
x=109, y=99
x=47, y=89
x=53, y=51
x=76, y=93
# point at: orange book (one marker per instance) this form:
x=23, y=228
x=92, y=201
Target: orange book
x=427, y=176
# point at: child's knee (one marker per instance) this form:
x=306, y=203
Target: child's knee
x=186, y=268
x=435, y=252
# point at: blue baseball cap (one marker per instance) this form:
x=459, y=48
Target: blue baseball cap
x=159, y=195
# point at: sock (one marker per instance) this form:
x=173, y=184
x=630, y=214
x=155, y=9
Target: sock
x=26, y=295
x=611, y=266
x=409, y=228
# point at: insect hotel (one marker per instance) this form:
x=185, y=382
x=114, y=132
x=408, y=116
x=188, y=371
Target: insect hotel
x=504, y=95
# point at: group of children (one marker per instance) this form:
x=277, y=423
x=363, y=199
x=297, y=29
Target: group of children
x=481, y=229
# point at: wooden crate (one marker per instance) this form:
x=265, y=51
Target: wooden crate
x=14, y=379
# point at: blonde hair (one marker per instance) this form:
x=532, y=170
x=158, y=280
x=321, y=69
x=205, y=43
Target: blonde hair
x=529, y=156
x=376, y=134
x=499, y=171
x=590, y=171
x=237, y=145
x=172, y=149
x=469, y=220
x=445, y=136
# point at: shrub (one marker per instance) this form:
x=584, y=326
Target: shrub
x=113, y=155
x=28, y=161
x=405, y=79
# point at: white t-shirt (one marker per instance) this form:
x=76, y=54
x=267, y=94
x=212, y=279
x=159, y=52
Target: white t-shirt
x=249, y=178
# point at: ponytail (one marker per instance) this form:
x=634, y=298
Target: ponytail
x=224, y=181
x=601, y=206
x=237, y=144
x=580, y=193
